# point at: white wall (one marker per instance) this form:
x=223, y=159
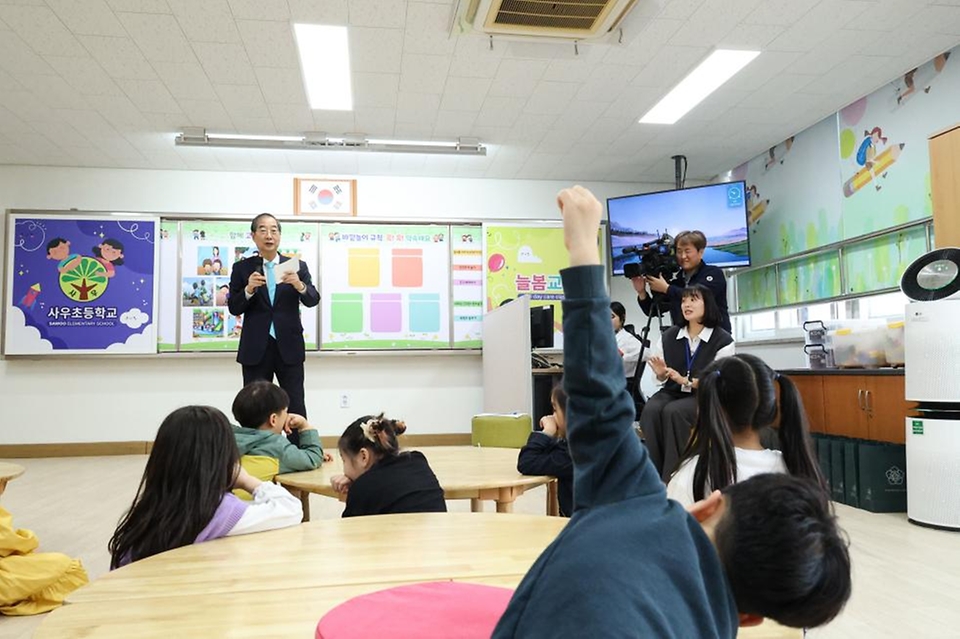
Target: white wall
x=98, y=400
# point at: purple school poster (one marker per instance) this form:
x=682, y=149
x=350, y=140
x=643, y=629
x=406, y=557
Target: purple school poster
x=81, y=285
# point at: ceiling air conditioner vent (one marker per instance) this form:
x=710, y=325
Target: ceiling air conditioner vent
x=539, y=19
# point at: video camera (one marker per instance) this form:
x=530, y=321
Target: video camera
x=658, y=257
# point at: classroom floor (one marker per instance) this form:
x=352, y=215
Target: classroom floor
x=906, y=578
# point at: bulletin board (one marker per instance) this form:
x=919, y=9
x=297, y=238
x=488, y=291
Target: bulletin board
x=134, y=283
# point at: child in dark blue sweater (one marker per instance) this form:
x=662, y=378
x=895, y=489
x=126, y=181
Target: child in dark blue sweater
x=546, y=452
x=633, y=563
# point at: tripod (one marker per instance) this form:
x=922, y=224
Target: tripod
x=657, y=309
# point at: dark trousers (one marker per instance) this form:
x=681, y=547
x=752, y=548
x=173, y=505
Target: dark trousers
x=289, y=378
x=666, y=422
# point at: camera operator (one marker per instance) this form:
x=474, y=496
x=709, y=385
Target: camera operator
x=689, y=246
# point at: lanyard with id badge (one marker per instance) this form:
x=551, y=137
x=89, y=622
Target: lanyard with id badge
x=690, y=355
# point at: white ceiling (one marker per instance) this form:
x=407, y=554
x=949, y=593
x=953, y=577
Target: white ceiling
x=105, y=83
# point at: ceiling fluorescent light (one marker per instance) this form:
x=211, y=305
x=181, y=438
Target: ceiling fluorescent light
x=325, y=61
x=238, y=136
x=320, y=141
x=720, y=66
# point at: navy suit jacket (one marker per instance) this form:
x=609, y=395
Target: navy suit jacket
x=258, y=313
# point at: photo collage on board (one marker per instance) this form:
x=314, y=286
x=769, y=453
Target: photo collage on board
x=209, y=250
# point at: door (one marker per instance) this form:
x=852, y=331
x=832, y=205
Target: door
x=811, y=392
x=886, y=408
x=843, y=402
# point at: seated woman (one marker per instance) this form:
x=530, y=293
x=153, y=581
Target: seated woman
x=683, y=352
x=377, y=478
x=627, y=344
x=737, y=399
x=546, y=452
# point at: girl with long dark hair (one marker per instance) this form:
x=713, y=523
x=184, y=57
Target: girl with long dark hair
x=737, y=399
x=184, y=496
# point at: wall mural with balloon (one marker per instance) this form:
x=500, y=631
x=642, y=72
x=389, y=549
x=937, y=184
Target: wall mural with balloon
x=864, y=169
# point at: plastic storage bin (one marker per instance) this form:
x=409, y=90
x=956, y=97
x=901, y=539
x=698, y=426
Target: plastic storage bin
x=860, y=347
x=893, y=343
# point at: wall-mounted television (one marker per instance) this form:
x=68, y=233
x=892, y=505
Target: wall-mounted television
x=718, y=210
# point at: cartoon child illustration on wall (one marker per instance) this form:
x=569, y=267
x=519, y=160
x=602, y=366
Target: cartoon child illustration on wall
x=217, y=267
x=59, y=249
x=223, y=293
x=867, y=152
x=875, y=162
x=909, y=78
x=756, y=206
x=110, y=254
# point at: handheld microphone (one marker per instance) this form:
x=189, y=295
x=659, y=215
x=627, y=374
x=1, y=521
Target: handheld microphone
x=260, y=266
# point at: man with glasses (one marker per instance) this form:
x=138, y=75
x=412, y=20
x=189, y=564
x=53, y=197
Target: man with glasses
x=271, y=342
x=690, y=246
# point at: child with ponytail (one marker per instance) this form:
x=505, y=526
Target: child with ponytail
x=737, y=398
x=377, y=478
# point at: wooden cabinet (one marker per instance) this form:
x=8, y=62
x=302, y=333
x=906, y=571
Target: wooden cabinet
x=944, y=188
x=855, y=405
x=843, y=405
x=887, y=409
x=811, y=391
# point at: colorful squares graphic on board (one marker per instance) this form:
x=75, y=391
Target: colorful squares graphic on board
x=386, y=313
x=363, y=267
x=408, y=267
x=346, y=314
x=424, y=312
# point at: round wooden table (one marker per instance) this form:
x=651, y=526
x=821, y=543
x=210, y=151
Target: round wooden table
x=9, y=471
x=464, y=472
x=280, y=583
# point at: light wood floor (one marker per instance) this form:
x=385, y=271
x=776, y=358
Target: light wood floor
x=906, y=578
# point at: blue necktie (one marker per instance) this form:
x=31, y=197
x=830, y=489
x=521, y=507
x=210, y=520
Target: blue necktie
x=271, y=291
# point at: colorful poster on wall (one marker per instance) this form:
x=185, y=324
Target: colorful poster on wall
x=81, y=285
x=467, y=279
x=168, y=304
x=208, y=250
x=884, y=157
x=526, y=260
x=787, y=216
x=385, y=286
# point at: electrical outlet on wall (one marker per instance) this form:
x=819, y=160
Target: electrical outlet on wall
x=344, y=400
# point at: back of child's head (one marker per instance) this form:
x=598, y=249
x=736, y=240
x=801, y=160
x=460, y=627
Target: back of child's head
x=192, y=465
x=257, y=401
x=784, y=555
x=794, y=431
x=373, y=432
x=727, y=399
x=765, y=378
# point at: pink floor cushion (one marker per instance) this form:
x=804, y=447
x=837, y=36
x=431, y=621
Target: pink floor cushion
x=440, y=610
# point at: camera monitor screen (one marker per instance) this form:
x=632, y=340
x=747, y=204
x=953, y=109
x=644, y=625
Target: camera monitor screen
x=637, y=222
x=541, y=326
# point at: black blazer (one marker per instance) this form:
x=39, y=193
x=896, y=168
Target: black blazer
x=258, y=313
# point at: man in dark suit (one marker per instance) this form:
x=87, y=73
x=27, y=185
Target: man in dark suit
x=690, y=246
x=271, y=342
